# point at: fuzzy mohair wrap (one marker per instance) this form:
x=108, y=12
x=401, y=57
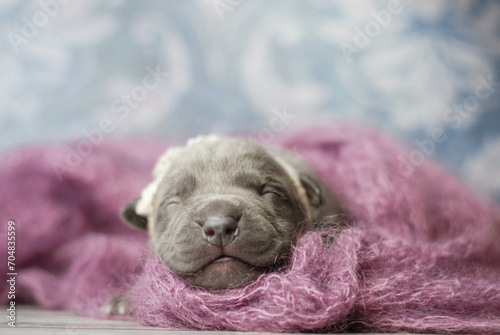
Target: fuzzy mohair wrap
x=423, y=254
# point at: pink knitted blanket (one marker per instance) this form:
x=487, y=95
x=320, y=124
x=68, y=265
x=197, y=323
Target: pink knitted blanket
x=423, y=256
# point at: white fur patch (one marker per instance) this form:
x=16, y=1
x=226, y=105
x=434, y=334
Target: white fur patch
x=298, y=185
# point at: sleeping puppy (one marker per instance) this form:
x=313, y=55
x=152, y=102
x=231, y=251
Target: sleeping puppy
x=222, y=211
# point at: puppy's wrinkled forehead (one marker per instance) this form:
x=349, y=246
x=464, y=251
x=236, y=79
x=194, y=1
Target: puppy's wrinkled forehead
x=214, y=166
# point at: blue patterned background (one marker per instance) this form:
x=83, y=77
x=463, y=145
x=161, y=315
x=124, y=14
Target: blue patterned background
x=426, y=71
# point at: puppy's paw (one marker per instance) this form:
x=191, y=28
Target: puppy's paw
x=119, y=305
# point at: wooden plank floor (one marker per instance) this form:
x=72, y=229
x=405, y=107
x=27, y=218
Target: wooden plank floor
x=33, y=320
x=36, y=321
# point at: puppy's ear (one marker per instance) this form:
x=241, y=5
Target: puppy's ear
x=129, y=215
x=313, y=190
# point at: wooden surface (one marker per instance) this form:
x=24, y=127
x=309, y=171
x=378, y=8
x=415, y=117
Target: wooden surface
x=33, y=320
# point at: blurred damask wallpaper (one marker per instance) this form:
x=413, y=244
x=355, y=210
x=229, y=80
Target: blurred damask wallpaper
x=427, y=71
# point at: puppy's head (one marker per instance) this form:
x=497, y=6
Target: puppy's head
x=222, y=211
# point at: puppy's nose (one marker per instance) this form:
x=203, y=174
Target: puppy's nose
x=220, y=230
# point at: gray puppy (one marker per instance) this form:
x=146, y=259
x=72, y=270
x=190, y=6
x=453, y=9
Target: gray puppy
x=221, y=211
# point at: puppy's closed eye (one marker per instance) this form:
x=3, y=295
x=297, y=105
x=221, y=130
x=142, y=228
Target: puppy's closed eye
x=169, y=206
x=172, y=203
x=269, y=191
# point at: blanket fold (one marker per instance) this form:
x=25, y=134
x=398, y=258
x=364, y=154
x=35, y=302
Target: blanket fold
x=422, y=256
